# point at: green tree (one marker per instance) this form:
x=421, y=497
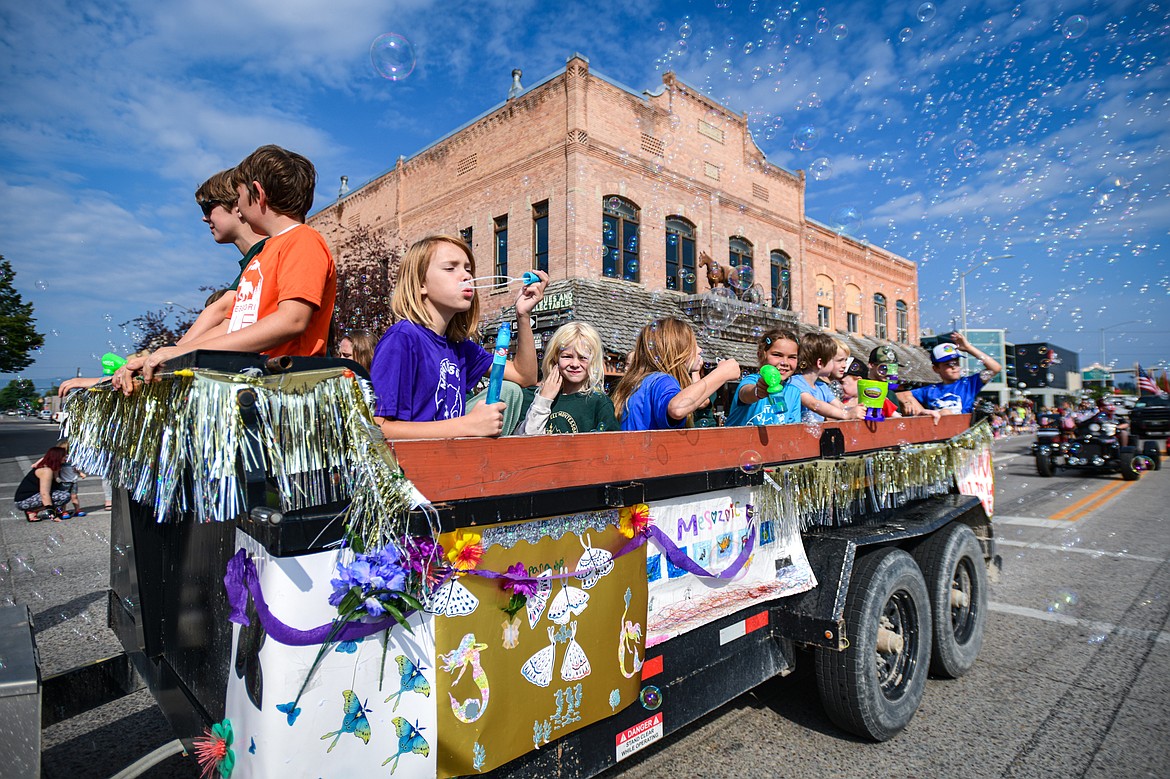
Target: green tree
x=18, y=337
x=20, y=393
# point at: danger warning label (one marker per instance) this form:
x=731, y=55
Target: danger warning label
x=641, y=735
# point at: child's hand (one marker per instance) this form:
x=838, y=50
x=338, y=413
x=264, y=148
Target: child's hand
x=124, y=377
x=961, y=342
x=727, y=370
x=531, y=295
x=156, y=360
x=485, y=420
x=552, y=386
x=855, y=412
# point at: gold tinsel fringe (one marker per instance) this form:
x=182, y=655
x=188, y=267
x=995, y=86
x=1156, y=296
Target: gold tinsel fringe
x=177, y=445
x=842, y=492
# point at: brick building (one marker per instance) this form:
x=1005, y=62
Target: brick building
x=588, y=179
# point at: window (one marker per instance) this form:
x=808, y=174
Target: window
x=825, y=296
x=619, y=237
x=466, y=234
x=852, y=322
x=540, y=236
x=739, y=251
x=902, y=321
x=501, y=245
x=879, y=316
x=824, y=316
x=781, y=281
x=680, y=255
x=853, y=300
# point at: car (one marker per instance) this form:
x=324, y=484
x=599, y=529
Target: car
x=46, y=414
x=11, y=412
x=1150, y=420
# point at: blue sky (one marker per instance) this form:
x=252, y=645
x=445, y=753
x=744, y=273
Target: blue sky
x=948, y=132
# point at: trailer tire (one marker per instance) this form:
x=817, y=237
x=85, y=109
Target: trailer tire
x=1150, y=449
x=1128, y=472
x=1045, y=465
x=865, y=691
x=956, y=576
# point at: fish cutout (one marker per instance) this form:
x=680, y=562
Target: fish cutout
x=568, y=603
x=594, y=564
x=538, y=669
x=291, y=710
x=354, y=721
x=247, y=664
x=576, y=664
x=451, y=600
x=537, y=601
x=410, y=679
x=410, y=741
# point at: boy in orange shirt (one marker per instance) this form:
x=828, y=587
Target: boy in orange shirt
x=285, y=296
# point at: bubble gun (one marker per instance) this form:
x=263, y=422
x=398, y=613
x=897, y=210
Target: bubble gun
x=503, y=340
x=872, y=395
x=111, y=362
x=775, y=383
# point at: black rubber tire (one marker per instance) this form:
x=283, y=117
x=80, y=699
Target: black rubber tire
x=951, y=559
x=868, y=693
x=1128, y=472
x=1045, y=466
x=1150, y=449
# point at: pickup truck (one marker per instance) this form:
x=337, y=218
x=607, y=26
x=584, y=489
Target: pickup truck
x=1150, y=419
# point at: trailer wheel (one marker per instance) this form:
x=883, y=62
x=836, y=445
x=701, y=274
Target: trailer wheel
x=952, y=562
x=874, y=686
x=1150, y=449
x=1045, y=465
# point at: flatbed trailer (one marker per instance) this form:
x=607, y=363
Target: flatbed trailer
x=890, y=583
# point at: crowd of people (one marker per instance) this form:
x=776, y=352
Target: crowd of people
x=425, y=368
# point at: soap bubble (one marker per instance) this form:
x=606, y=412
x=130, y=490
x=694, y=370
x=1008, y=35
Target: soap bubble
x=719, y=311
x=687, y=276
x=806, y=138
x=846, y=218
x=1074, y=27
x=925, y=12
x=1098, y=638
x=41, y=285
x=392, y=56
x=684, y=30
x=1063, y=601
x=750, y=461
x=905, y=35
x=821, y=169
x=651, y=697
x=1142, y=463
x=839, y=32
x=741, y=277
x=966, y=150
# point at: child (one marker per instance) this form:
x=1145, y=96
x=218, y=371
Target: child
x=572, y=398
x=840, y=361
x=358, y=345
x=854, y=371
x=285, y=296
x=750, y=405
x=657, y=391
x=217, y=198
x=817, y=363
x=956, y=394
x=427, y=361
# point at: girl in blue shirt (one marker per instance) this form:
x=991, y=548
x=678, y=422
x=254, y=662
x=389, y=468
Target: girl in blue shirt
x=751, y=405
x=657, y=392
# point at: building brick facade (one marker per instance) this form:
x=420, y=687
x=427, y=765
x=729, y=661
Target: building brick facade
x=637, y=187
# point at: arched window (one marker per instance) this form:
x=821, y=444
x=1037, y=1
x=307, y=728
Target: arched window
x=739, y=251
x=852, y=309
x=680, y=254
x=902, y=321
x=824, y=301
x=781, y=280
x=879, y=316
x=619, y=236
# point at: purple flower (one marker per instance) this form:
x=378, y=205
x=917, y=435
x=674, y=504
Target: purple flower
x=519, y=582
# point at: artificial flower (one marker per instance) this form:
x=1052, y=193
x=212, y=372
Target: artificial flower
x=466, y=551
x=517, y=580
x=633, y=520
x=214, y=752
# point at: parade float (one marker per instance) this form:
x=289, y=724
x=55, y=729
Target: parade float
x=300, y=595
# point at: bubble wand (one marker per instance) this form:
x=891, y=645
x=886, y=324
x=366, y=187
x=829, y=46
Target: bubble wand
x=503, y=340
x=494, y=282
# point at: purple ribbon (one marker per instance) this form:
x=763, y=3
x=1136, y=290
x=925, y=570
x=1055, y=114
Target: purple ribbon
x=242, y=579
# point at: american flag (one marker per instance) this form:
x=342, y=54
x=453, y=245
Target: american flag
x=1146, y=384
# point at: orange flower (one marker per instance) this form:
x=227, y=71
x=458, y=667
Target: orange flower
x=633, y=520
x=464, y=550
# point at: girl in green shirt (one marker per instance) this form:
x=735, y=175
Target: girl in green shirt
x=571, y=399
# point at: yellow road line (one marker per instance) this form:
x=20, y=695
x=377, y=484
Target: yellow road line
x=1091, y=502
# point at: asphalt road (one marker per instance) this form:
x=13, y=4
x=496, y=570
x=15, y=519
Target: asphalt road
x=1073, y=679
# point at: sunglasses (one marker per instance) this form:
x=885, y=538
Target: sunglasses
x=207, y=206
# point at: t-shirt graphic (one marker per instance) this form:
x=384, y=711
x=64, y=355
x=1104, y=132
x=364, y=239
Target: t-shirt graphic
x=247, y=308
x=449, y=391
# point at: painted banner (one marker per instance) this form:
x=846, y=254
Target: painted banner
x=712, y=531
x=976, y=476
x=356, y=715
x=570, y=656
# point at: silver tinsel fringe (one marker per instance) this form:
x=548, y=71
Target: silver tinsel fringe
x=178, y=445
x=843, y=492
